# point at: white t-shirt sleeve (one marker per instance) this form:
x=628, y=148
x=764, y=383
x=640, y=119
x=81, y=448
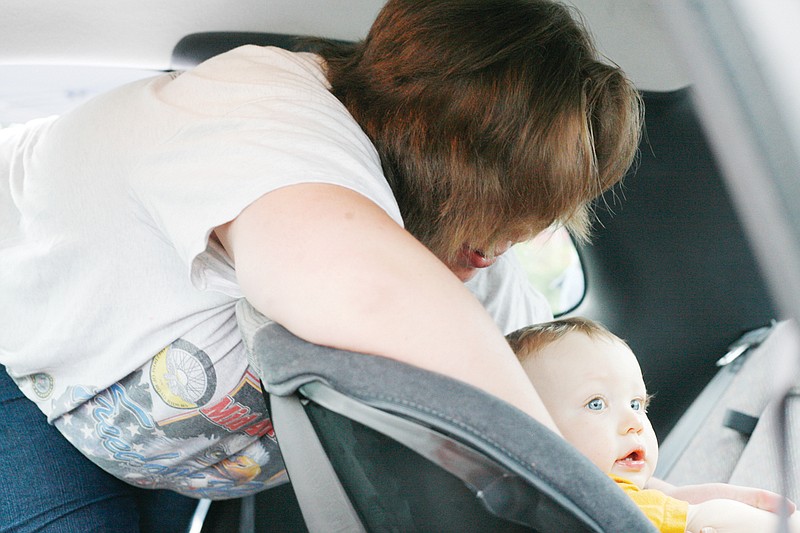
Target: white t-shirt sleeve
x=14, y=141
x=506, y=293
x=277, y=126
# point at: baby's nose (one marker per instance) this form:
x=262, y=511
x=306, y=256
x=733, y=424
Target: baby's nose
x=632, y=423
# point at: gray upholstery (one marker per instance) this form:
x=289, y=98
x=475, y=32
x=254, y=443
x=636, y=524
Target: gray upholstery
x=473, y=417
x=747, y=391
x=757, y=461
x=767, y=462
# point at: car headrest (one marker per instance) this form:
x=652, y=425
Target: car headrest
x=197, y=47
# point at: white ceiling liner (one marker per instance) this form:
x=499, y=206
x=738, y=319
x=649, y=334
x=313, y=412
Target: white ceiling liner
x=632, y=33
x=142, y=33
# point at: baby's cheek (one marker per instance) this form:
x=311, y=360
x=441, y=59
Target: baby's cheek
x=651, y=441
x=595, y=446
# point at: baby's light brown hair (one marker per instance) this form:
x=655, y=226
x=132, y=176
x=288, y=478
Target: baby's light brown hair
x=528, y=341
x=531, y=339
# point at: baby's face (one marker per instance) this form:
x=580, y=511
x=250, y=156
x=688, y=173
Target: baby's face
x=594, y=390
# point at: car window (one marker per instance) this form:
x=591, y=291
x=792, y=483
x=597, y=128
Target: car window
x=554, y=268
x=34, y=91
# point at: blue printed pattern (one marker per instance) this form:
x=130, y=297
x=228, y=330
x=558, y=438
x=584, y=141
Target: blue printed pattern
x=201, y=443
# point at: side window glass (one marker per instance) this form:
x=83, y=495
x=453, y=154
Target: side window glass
x=554, y=268
x=34, y=91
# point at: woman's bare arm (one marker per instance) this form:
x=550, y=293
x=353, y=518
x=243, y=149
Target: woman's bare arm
x=332, y=267
x=694, y=494
x=730, y=516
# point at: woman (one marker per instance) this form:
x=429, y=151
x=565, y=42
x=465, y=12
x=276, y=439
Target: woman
x=347, y=195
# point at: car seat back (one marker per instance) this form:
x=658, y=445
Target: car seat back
x=746, y=420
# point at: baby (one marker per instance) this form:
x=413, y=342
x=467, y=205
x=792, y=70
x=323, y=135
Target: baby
x=591, y=383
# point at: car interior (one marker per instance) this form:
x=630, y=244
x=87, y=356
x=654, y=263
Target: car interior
x=694, y=261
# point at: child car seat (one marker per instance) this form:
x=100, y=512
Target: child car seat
x=373, y=444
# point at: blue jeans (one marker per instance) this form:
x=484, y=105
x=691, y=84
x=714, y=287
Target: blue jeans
x=47, y=485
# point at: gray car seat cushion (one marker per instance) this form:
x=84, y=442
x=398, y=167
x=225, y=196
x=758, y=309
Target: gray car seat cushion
x=767, y=462
x=749, y=392
x=716, y=453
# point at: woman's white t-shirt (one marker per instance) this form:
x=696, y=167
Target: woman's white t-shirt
x=118, y=312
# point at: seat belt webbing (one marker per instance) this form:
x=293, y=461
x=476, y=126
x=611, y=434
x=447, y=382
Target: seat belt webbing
x=323, y=501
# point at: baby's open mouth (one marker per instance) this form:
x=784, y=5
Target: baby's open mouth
x=635, y=459
x=635, y=455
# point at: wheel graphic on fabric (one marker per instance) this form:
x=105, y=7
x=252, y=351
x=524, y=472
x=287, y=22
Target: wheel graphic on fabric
x=42, y=385
x=183, y=375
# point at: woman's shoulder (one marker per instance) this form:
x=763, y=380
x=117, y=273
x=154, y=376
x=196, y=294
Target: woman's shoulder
x=256, y=71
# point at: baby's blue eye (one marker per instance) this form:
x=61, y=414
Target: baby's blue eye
x=636, y=404
x=597, y=404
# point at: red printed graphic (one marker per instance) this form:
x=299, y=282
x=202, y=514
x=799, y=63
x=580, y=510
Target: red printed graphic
x=233, y=416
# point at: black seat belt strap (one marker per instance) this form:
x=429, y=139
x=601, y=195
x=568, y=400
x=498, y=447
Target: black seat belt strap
x=741, y=422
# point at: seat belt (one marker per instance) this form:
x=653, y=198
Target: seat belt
x=323, y=501
x=741, y=422
x=770, y=459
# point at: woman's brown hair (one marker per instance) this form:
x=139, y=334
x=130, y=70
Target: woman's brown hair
x=492, y=119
